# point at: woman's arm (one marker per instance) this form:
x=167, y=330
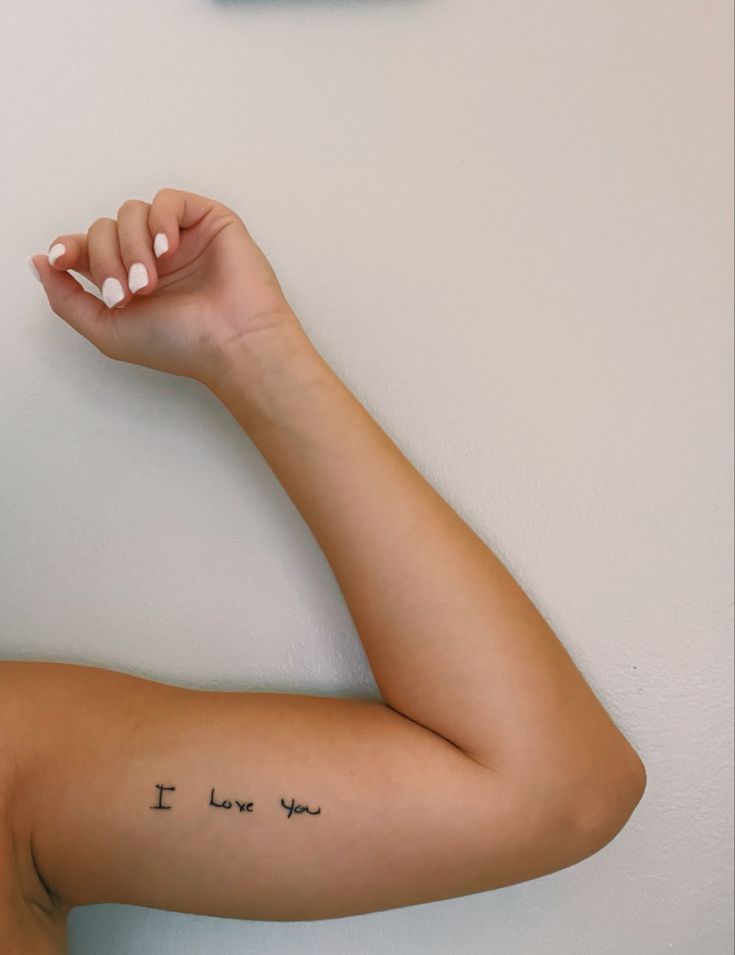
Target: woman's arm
x=493, y=762
x=454, y=643
x=250, y=805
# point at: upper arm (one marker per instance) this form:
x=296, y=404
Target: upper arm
x=278, y=806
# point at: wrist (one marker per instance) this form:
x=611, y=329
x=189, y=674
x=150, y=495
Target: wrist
x=256, y=373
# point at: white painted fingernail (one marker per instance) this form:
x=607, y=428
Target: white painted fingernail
x=137, y=277
x=33, y=269
x=56, y=252
x=160, y=244
x=112, y=292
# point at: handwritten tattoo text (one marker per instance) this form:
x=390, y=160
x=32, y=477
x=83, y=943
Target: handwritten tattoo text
x=292, y=808
x=244, y=806
x=160, y=789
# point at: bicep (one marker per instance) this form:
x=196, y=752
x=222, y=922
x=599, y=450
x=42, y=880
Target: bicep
x=256, y=805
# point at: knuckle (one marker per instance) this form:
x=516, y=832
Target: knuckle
x=130, y=244
x=130, y=205
x=100, y=224
x=108, y=345
x=165, y=193
x=59, y=307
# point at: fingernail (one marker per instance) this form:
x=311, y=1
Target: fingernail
x=137, y=277
x=160, y=244
x=112, y=292
x=56, y=252
x=33, y=269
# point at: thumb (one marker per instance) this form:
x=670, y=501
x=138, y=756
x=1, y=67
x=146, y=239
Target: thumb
x=84, y=312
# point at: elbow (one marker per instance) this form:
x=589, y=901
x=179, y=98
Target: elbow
x=550, y=824
x=610, y=803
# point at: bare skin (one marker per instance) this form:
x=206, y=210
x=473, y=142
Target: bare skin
x=490, y=762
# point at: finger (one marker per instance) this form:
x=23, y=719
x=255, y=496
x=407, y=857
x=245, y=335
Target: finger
x=70, y=252
x=136, y=249
x=105, y=263
x=79, y=308
x=171, y=210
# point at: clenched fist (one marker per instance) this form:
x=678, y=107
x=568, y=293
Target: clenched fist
x=181, y=280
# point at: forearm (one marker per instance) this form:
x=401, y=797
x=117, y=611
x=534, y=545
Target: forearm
x=453, y=641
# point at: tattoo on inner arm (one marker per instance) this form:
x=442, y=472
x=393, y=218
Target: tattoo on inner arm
x=160, y=789
x=291, y=808
x=244, y=806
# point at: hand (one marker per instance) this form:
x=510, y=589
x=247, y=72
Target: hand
x=204, y=284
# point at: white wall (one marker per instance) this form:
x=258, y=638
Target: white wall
x=508, y=228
